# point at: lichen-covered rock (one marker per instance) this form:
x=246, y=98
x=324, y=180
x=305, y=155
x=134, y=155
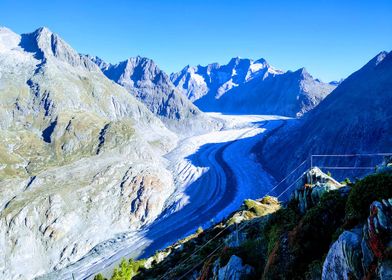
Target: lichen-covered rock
x=344, y=257
x=255, y=208
x=385, y=270
x=364, y=252
x=311, y=187
x=386, y=165
x=377, y=240
x=234, y=270
x=235, y=238
x=379, y=227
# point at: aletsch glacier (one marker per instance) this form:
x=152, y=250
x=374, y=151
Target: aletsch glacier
x=102, y=161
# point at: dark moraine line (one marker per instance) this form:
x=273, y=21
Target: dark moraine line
x=203, y=216
x=259, y=147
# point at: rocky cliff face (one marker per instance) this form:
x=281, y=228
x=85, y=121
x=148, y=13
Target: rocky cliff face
x=142, y=78
x=79, y=156
x=354, y=118
x=251, y=87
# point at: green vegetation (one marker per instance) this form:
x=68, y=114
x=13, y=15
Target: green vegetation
x=99, y=277
x=125, y=271
x=363, y=193
x=281, y=221
x=314, y=270
x=311, y=238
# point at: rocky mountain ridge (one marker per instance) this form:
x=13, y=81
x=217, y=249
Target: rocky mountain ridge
x=80, y=158
x=353, y=119
x=142, y=78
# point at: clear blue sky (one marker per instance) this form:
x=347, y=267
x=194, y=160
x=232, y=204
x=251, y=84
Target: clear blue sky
x=331, y=38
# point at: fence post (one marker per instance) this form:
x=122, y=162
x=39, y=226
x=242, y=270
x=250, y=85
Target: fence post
x=311, y=167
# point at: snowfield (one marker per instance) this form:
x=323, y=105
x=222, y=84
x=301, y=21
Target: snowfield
x=213, y=174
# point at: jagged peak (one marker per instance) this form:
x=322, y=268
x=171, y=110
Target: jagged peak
x=374, y=62
x=43, y=30
x=140, y=59
x=102, y=64
x=236, y=61
x=377, y=59
x=48, y=45
x=263, y=62
x=303, y=72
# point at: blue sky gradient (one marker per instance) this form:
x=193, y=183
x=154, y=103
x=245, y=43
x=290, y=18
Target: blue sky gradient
x=330, y=38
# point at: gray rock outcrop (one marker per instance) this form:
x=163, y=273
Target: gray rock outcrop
x=233, y=270
x=364, y=251
x=312, y=185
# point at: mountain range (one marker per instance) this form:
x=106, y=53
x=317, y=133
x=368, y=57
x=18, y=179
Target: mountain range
x=142, y=78
x=251, y=87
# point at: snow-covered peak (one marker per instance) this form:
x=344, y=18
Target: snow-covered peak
x=8, y=39
x=197, y=81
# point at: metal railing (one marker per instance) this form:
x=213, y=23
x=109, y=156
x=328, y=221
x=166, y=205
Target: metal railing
x=282, y=192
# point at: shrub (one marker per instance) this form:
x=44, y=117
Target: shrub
x=311, y=238
x=282, y=220
x=127, y=270
x=99, y=277
x=363, y=193
x=314, y=270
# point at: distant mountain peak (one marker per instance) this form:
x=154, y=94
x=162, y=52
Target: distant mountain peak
x=380, y=57
x=47, y=45
x=198, y=81
x=237, y=60
x=98, y=61
x=375, y=61
x=144, y=79
x=251, y=86
x=43, y=30
x=261, y=60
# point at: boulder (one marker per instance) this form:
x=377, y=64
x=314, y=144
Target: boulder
x=313, y=184
x=344, y=257
x=234, y=270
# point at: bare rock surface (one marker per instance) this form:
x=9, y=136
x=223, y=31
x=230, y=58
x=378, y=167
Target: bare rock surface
x=80, y=158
